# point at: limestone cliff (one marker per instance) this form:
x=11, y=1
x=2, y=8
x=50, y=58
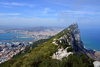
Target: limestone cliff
x=75, y=39
x=72, y=37
x=63, y=50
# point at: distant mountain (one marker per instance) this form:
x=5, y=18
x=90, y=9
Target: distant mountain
x=62, y=50
x=30, y=29
x=40, y=28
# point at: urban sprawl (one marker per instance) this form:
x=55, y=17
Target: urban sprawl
x=11, y=48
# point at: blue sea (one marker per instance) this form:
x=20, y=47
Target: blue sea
x=91, y=38
x=10, y=36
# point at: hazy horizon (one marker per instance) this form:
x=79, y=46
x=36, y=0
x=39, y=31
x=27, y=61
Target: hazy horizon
x=59, y=13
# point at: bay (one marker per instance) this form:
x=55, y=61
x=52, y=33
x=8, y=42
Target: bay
x=90, y=38
x=10, y=36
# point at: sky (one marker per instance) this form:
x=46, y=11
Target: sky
x=59, y=13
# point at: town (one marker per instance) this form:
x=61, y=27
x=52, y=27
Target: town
x=37, y=33
x=9, y=48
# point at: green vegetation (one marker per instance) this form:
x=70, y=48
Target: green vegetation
x=71, y=61
x=35, y=57
x=70, y=49
x=65, y=31
x=41, y=59
x=64, y=45
x=23, y=53
x=42, y=56
x=29, y=47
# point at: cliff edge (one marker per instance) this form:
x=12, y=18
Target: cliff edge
x=62, y=50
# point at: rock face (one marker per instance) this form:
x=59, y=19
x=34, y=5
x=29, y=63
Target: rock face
x=96, y=64
x=73, y=38
x=61, y=53
x=68, y=42
x=77, y=45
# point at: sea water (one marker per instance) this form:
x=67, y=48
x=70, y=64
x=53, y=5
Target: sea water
x=91, y=38
x=10, y=36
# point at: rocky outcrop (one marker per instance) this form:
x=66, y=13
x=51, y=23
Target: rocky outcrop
x=97, y=54
x=72, y=37
x=61, y=53
x=75, y=39
x=96, y=64
x=77, y=45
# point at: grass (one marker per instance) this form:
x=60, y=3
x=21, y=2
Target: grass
x=41, y=55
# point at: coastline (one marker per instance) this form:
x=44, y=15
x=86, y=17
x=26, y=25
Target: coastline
x=9, y=37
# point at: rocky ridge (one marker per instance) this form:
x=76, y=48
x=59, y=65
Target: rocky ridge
x=73, y=38
x=63, y=50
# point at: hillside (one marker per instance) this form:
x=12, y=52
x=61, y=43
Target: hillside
x=63, y=50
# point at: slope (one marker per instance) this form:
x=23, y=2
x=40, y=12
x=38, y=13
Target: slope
x=63, y=50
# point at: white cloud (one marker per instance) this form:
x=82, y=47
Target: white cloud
x=84, y=17
x=81, y=17
x=46, y=10
x=58, y=3
x=17, y=4
x=28, y=21
x=4, y=14
x=80, y=12
x=19, y=21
